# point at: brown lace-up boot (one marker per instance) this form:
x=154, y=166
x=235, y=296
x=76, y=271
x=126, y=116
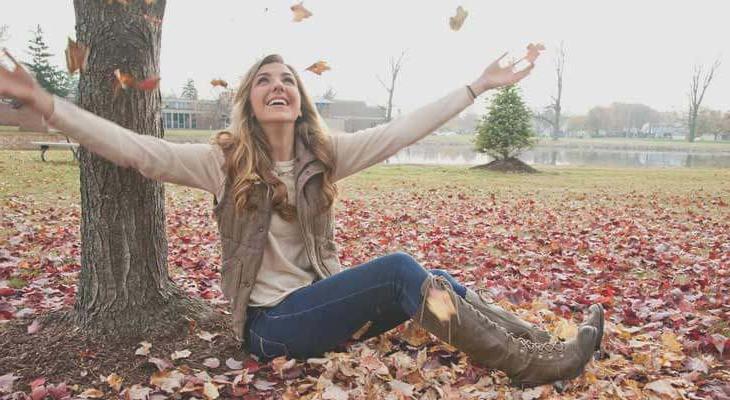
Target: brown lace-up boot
x=527, y=363
x=514, y=325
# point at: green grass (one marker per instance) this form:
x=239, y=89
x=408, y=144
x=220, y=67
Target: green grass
x=53, y=183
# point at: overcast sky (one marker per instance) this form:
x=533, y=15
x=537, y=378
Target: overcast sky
x=618, y=50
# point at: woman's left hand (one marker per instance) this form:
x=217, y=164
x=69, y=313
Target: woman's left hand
x=496, y=76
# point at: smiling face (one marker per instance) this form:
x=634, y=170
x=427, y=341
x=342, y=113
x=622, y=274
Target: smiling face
x=275, y=95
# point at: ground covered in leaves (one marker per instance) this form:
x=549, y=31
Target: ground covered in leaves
x=652, y=246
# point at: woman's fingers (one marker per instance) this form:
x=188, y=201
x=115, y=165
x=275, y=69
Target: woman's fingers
x=10, y=56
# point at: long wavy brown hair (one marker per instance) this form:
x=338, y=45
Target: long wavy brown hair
x=248, y=152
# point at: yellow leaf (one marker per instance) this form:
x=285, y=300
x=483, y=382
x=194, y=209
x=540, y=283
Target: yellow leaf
x=115, y=381
x=210, y=391
x=566, y=329
x=670, y=342
x=439, y=302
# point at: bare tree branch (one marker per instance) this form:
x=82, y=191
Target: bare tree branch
x=698, y=85
x=395, y=67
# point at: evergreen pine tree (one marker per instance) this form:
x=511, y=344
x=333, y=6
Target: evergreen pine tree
x=505, y=131
x=189, y=91
x=50, y=77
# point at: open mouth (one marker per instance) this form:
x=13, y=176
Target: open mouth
x=277, y=103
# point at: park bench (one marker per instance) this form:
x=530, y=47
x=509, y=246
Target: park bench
x=44, y=146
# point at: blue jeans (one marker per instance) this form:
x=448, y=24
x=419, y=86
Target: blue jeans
x=317, y=318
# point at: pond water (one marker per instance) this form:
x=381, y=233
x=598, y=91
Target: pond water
x=464, y=155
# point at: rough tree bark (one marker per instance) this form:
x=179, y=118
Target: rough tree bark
x=124, y=288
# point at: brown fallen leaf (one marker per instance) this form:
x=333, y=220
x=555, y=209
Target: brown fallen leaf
x=219, y=82
x=439, y=302
x=34, y=327
x=180, y=354
x=91, y=393
x=76, y=56
x=144, y=349
x=114, y=381
x=300, y=13
x=457, y=20
x=318, y=67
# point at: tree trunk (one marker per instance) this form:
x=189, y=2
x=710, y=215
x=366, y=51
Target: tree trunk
x=124, y=287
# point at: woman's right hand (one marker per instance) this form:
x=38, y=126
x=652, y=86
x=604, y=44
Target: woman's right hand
x=20, y=85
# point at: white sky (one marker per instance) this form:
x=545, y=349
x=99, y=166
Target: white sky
x=618, y=50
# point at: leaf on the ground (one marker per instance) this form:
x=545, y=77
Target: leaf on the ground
x=180, y=354
x=6, y=382
x=219, y=82
x=234, y=364
x=362, y=330
x=34, y=327
x=300, y=13
x=92, y=393
x=440, y=304
x=566, y=329
x=144, y=349
x=374, y=364
x=663, y=387
x=415, y=335
x=457, y=20
x=281, y=364
x=532, y=393
x=160, y=363
x=167, y=380
x=401, y=387
x=263, y=385
x=318, y=67
x=212, y=362
x=210, y=391
x=334, y=392
x=670, y=342
x=207, y=336
x=136, y=392
x=697, y=365
x=76, y=56
x=114, y=381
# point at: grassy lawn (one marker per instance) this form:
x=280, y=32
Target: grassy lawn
x=24, y=174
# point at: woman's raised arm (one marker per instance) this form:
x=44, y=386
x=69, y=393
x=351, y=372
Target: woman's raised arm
x=194, y=165
x=357, y=151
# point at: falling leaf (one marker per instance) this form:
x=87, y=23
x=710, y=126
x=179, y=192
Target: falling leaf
x=219, y=82
x=125, y=80
x=457, y=20
x=533, y=51
x=207, y=336
x=180, y=354
x=148, y=84
x=300, y=13
x=34, y=327
x=92, y=394
x=210, y=391
x=76, y=56
x=114, y=381
x=439, y=302
x=212, y=362
x=318, y=67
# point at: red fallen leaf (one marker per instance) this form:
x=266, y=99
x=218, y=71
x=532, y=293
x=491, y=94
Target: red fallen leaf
x=318, y=67
x=37, y=382
x=34, y=327
x=219, y=82
x=300, y=13
x=630, y=317
x=39, y=393
x=6, y=291
x=76, y=56
x=251, y=365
